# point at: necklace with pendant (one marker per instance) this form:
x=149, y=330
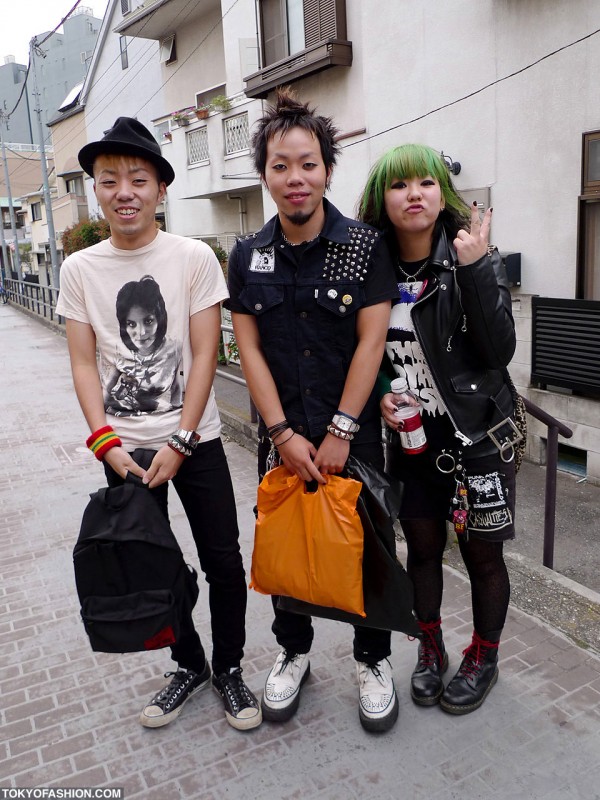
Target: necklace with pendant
x=412, y=278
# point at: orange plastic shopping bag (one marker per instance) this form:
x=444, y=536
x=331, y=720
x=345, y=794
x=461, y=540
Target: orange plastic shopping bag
x=309, y=545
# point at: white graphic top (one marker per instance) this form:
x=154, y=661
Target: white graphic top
x=139, y=304
x=405, y=353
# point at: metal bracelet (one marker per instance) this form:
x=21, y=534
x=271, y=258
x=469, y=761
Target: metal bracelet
x=175, y=443
x=347, y=437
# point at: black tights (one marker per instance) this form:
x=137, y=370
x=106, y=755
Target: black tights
x=490, y=586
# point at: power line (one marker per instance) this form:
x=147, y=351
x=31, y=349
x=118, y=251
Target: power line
x=183, y=63
x=477, y=91
x=126, y=76
x=63, y=20
x=51, y=33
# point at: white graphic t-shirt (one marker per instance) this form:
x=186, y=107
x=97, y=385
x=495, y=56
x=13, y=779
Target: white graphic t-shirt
x=139, y=303
x=407, y=358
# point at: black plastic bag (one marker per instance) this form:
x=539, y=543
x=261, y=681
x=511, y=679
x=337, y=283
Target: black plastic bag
x=387, y=589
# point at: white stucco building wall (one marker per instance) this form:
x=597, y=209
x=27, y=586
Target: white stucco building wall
x=111, y=91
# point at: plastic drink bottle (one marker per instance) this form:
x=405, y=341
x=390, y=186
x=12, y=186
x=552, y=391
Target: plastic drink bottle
x=412, y=433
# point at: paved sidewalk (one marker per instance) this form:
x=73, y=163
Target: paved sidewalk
x=69, y=717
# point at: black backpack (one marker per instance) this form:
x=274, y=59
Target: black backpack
x=133, y=583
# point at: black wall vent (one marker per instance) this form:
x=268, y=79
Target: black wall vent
x=565, y=347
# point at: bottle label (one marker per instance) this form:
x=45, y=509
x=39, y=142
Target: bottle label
x=412, y=435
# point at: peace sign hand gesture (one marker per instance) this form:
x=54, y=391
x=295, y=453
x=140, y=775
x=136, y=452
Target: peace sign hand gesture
x=470, y=247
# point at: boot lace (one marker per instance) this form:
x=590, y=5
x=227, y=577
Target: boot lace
x=429, y=652
x=475, y=655
x=288, y=662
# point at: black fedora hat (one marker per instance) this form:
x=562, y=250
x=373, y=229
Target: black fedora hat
x=127, y=137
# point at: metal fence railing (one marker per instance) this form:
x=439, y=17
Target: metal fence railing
x=40, y=300
x=554, y=429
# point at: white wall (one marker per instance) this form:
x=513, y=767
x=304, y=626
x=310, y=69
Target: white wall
x=112, y=92
x=522, y=137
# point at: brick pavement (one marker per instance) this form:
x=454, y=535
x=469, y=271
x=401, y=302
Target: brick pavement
x=69, y=716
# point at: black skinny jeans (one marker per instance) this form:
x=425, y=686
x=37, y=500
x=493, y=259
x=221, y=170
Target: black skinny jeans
x=294, y=632
x=204, y=486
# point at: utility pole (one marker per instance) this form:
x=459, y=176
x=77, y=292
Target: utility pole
x=11, y=210
x=4, y=249
x=47, y=199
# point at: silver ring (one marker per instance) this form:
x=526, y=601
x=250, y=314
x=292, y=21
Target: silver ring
x=504, y=447
x=449, y=456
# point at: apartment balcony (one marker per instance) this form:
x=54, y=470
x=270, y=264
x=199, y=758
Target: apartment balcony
x=155, y=18
x=211, y=157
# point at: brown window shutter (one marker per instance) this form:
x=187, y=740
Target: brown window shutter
x=324, y=19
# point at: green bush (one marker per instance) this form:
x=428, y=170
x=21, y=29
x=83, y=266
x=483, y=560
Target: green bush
x=220, y=253
x=84, y=234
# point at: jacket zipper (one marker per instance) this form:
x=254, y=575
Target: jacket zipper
x=464, y=316
x=457, y=433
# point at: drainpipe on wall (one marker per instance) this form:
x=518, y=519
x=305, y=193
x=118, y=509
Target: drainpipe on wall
x=242, y=211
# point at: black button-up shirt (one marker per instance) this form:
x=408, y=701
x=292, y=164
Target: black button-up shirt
x=305, y=300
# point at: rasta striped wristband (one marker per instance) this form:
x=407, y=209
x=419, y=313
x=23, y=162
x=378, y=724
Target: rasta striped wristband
x=101, y=441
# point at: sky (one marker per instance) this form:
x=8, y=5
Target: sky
x=24, y=19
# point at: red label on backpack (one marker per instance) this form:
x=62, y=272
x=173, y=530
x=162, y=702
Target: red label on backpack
x=162, y=639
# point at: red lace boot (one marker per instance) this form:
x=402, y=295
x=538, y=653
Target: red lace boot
x=426, y=684
x=475, y=678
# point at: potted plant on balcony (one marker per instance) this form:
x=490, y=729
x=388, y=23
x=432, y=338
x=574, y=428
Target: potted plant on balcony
x=203, y=110
x=221, y=103
x=182, y=117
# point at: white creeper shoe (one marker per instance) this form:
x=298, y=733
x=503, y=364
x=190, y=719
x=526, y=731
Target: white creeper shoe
x=281, y=696
x=378, y=702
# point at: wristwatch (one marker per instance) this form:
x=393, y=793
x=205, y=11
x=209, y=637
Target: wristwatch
x=344, y=423
x=189, y=438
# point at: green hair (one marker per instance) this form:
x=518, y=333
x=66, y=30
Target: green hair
x=410, y=161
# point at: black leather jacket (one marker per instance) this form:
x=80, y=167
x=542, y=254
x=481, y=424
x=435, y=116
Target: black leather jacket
x=463, y=321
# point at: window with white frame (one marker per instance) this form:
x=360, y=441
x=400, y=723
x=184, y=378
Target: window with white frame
x=75, y=185
x=236, y=134
x=36, y=211
x=282, y=29
x=197, y=145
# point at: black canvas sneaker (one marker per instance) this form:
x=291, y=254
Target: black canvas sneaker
x=169, y=702
x=241, y=706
